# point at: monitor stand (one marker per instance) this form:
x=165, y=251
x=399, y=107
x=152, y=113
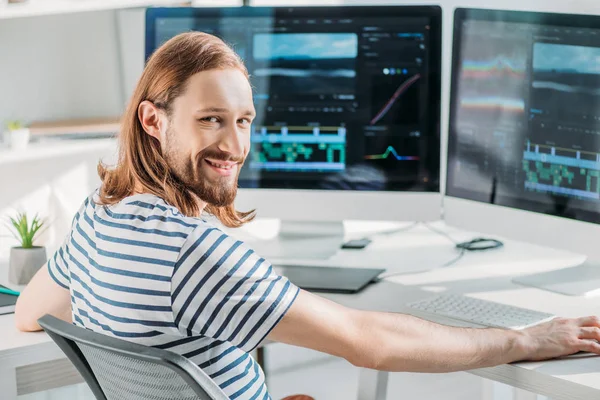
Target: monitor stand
x=582, y=280
x=302, y=240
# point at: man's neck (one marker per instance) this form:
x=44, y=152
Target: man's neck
x=201, y=203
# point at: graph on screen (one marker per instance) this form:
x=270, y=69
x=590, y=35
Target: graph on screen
x=390, y=152
x=404, y=86
x=396, y=99
x=493, y=75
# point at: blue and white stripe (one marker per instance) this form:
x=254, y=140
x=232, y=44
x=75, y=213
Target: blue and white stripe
x=141, y=271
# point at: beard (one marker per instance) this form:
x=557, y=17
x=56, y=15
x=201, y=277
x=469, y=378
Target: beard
x=218, y=192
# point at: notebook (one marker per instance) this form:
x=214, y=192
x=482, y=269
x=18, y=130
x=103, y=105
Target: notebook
x=7, y=302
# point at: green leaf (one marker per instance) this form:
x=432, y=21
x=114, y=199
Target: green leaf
x=24, y=230
x=14, y=125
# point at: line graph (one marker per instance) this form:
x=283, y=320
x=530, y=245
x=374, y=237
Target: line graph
x=492, y=75
x=390, y=151
x=401, y=89
x=500, y=65
x=493, y=103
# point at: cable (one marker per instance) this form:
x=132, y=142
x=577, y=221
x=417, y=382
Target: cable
x=431, y=228
x=366, y=240
x=476, y=244
x=454, y=260
x=395, y=230
x=480, y=244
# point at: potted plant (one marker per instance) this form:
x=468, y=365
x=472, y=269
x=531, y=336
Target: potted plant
x=25, y=260
x=17, y=135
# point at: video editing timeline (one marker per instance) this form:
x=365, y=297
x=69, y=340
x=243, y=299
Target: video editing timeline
x=299, y=148
x=340, y=101
x=528, y=110
x=568, y=174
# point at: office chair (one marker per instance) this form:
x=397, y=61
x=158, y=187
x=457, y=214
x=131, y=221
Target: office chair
x=116, y=369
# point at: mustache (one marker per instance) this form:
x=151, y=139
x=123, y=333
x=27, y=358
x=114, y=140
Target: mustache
x=221, y=156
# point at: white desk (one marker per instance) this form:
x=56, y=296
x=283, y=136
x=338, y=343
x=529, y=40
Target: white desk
x=484, y=275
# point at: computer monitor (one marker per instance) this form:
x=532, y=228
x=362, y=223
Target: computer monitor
x=524, y=135
x=348, y=112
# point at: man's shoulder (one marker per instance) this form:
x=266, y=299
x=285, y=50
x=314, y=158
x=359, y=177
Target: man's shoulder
x=145, y=216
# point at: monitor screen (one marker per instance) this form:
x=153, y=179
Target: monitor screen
x=347, y=98
x=525, y=112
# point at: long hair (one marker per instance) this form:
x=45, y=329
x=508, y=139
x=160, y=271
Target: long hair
x=141, y=163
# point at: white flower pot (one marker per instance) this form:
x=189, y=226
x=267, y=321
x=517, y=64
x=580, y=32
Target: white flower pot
x=24, y=263
x=18, y=138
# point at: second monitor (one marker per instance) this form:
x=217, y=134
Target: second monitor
x=524, y=138
x=348, y=109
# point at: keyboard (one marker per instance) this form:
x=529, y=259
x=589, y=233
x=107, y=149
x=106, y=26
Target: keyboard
x=481, y=312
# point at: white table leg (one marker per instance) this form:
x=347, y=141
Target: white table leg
x=492, y=390
x=487, y=389
x=372, y=384
x=520, y=394
x=8, y=383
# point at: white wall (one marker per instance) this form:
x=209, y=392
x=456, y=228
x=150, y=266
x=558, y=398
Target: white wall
x=72, y=66
x=131, y=30
x=54, y=68
x=54, y=190
x=59, y=67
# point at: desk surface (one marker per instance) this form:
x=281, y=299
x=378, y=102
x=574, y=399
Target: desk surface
x=485, y=275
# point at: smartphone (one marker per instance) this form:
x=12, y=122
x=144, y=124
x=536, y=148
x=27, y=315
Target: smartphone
x=356, y=244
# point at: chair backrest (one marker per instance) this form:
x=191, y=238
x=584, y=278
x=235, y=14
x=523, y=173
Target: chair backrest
x=116, y=369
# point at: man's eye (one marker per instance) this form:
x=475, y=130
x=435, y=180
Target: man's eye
x=210, y=119
x=245, y=121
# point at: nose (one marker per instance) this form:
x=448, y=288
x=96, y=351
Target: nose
x=234, y=142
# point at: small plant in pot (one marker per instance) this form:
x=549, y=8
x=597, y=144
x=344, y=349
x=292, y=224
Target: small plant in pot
x=26, y=259
x=17, y=135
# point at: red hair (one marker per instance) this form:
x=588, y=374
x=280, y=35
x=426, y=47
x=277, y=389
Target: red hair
x=141, y=163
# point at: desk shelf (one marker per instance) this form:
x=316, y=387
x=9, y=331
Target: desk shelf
x=34, y=8
x=60, y=149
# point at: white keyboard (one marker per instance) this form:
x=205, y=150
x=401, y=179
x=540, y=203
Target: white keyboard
x=481, y=312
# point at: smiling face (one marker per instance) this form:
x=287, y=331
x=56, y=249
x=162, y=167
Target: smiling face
x=207, y=136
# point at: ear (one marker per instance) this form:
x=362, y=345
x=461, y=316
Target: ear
x=152, y=119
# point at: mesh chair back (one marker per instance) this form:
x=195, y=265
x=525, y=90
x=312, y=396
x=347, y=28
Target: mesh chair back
x=119, y=370
x=136, y=379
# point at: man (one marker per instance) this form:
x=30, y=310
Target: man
x=141, y=264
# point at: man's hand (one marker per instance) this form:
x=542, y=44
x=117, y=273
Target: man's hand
x=561, y=337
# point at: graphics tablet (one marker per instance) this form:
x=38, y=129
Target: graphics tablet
x=328, y=279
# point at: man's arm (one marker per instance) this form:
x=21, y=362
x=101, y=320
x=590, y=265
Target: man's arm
x=42, y=296
x=398, y=342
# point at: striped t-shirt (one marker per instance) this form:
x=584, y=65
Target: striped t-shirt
x=140, y=270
